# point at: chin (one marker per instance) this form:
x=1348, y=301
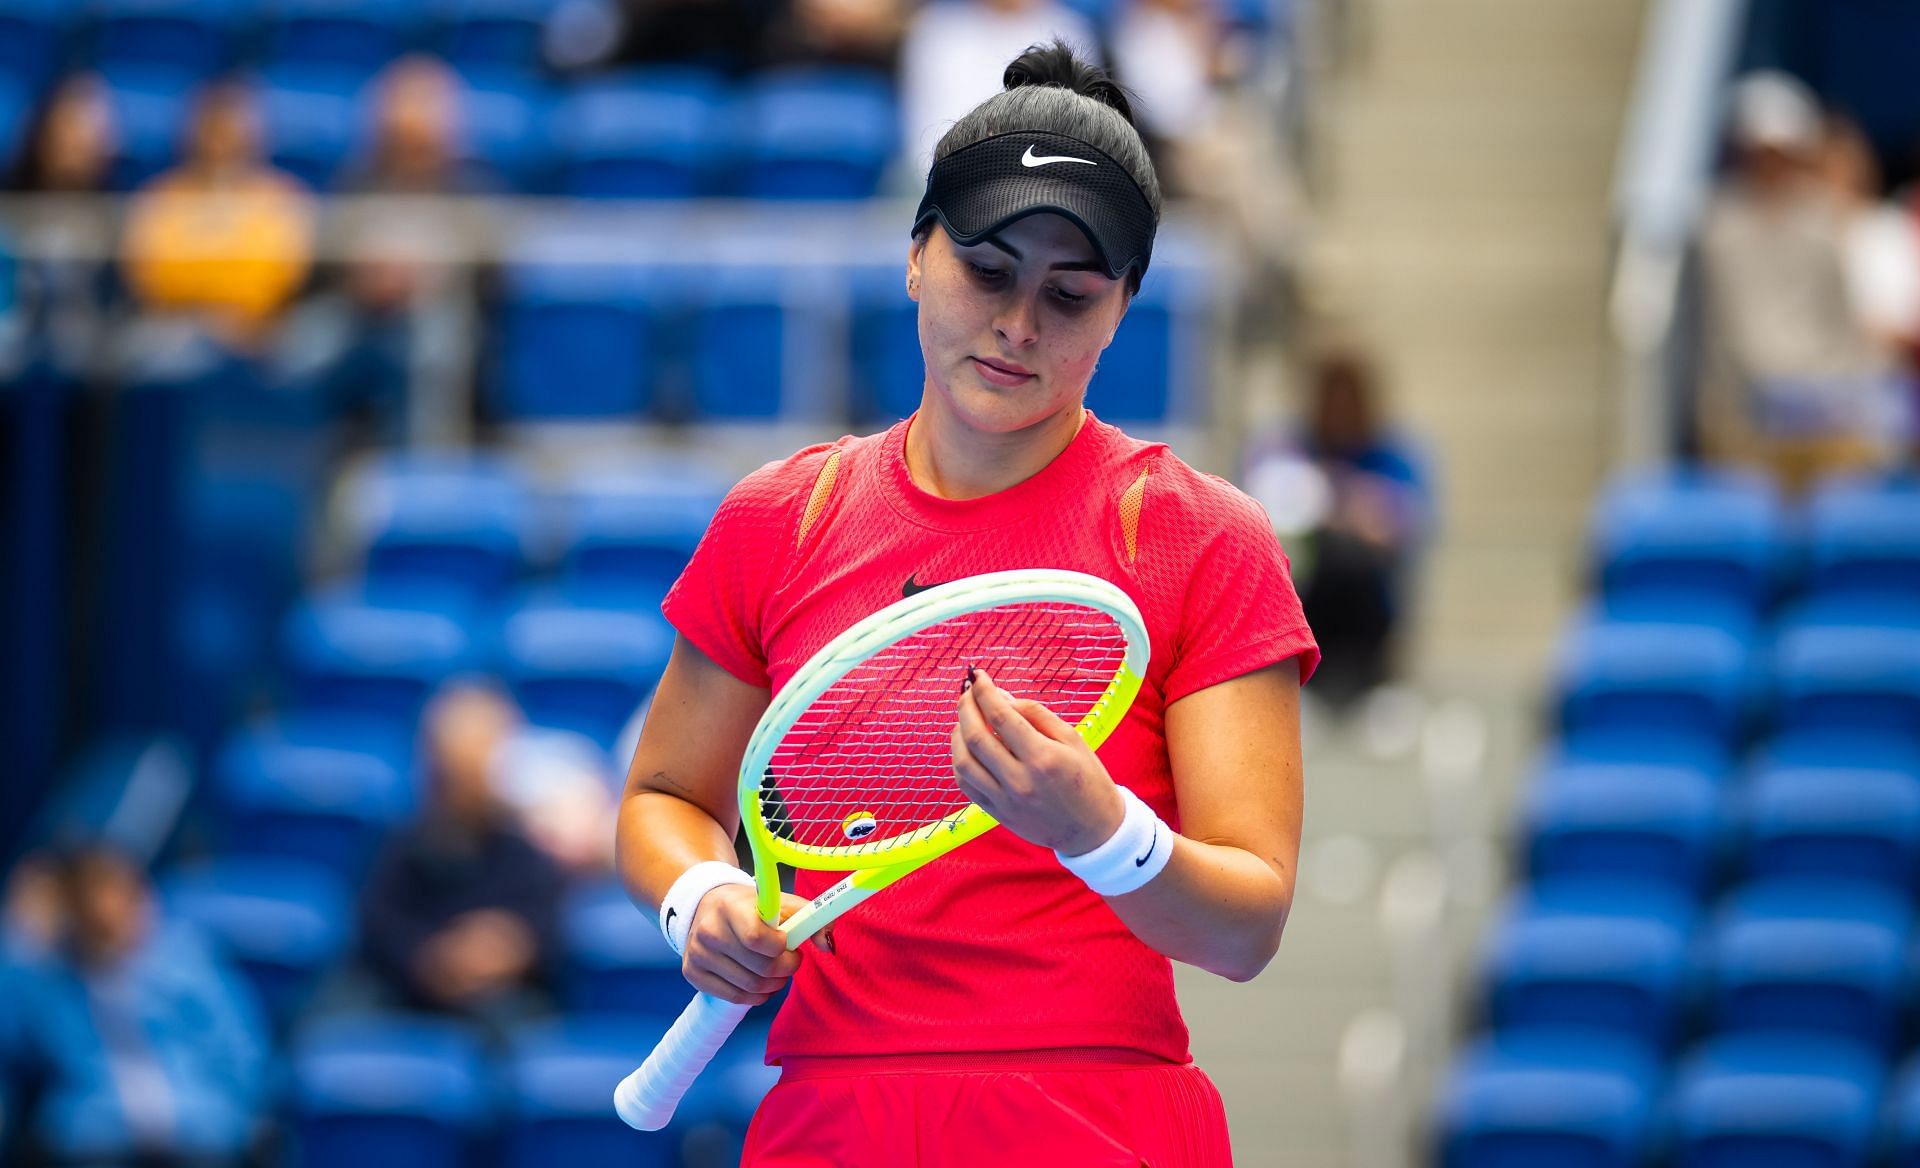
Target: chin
x=997, y=409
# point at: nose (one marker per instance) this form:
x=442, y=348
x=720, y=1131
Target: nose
x=1017, y=322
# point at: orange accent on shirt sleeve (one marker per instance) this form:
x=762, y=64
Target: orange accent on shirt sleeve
x=817, y=501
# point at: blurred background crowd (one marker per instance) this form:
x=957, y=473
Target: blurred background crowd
x=368, y=368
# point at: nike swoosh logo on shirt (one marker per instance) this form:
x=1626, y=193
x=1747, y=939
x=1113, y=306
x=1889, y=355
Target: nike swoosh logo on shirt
x=909, y=588
x=1032, y=159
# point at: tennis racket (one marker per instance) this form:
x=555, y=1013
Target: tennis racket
x=851, y=767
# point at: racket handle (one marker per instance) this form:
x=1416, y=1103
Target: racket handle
x=647, y=1097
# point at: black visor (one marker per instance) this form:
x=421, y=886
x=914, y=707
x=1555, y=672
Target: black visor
x=979, y=189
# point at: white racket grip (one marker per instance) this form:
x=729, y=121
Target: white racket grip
x=646, y=1098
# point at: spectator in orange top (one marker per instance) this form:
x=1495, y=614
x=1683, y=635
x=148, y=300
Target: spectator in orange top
x=223, y=236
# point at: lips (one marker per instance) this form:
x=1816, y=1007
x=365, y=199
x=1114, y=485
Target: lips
x=999, y=374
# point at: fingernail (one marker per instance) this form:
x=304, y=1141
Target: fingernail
x=967, y=683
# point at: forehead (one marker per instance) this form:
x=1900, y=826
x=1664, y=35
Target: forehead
x=1049, y=234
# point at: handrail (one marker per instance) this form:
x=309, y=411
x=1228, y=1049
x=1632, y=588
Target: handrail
x=1663, y=176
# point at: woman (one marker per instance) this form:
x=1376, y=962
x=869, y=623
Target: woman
x=1045, y=1027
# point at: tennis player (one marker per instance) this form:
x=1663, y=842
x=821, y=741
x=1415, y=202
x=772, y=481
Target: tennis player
x=995, y=1008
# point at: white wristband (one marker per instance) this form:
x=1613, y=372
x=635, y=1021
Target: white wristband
x=1132, y=855
x=683, y=899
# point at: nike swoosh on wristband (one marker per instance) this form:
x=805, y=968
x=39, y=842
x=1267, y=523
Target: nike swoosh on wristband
x=1141, y=862
x=669, y=921
x=1032, y=159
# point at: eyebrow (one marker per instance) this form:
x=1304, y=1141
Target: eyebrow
x=1075, y=266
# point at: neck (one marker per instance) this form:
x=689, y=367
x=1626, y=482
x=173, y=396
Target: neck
x=955, y=461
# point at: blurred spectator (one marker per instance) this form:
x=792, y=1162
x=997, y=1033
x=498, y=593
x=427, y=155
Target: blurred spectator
x=64, y=285
x=955, y=54
x=139, y=1044
x=1350, y=499
x=223, y=237
x=71, y=141
x=715, y=34
x=34, y=913
x=461, y=911
x=841, y=33
x=364, y=339
x=1211, y=130
x=1882, y=242
x=1793, y=380
x=560, y=786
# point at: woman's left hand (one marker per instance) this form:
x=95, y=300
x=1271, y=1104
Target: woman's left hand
x=1031, y=771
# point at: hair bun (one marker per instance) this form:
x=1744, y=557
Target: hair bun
x=1057, y=65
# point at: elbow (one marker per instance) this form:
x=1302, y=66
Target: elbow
x=1256, y=945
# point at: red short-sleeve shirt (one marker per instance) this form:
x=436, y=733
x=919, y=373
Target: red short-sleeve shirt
x=996, y=947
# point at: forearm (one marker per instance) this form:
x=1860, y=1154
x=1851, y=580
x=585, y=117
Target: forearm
x=661, y=835
x=1216, y=906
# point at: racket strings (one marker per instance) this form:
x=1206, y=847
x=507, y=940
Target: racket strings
x=869, y=765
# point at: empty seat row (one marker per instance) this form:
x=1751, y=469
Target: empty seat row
x=405, y=1091
x=1697, y=546
x=1537, y=1097
x=1639, y=681
x=1815, y=955
x=1687, y=828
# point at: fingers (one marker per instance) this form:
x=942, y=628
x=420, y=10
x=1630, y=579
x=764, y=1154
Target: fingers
x=1045, y=720
x=725, y=978
x=998, y=708
x=732, y=953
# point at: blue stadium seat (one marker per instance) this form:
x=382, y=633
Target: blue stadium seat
x=1632, y=679
x=33, y=40
x=575, y=342
x=1652, y=823
x=1832, y=821
x=189, y=35
x=559, y=1081
x=493, y=35
x=452, y=521
x=1134, y=382
x=817, y=134
x=384, y=660
x=887, y=367
x=1752, y=1100
x=740, y=332
x=1901, y=1122
x=1665, y=539
x=1848, y=679
x=504, y=122
x=616, y=959
x=1854, y=750
x=1817, y=956
x=353, y=36
x=387, y=1091
x=645, y=135
x=630, y=536
x=317, y=787
x=1572, y=1099
x=150, y=109
x=284, y=922
x=1612, y=971
x=1864, y=537
x=583, y=669
x=314, y=121
x=1664, y=748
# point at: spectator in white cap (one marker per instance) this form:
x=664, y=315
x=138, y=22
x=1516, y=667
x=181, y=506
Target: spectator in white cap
x=1791, y=380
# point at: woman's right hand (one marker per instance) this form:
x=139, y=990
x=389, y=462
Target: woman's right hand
x=734, y=955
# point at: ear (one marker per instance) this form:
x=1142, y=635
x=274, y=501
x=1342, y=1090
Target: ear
x=916, y=252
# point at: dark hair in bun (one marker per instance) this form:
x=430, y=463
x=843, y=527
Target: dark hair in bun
x=1049, y=87
x=1056, y=65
